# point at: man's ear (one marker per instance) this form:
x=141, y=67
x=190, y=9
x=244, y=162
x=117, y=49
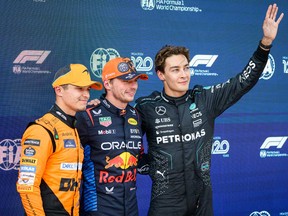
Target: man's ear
x=107, y=84
x=160, y=75
x=58, y=90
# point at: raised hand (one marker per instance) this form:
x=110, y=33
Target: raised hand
x=270, y=24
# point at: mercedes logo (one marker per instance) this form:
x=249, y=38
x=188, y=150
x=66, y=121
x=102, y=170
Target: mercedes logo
x=160, y=110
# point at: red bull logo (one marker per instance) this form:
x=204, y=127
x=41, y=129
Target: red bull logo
x=123, y=161
x=126, y=176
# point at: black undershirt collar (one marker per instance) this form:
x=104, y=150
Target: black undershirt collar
x=59, y=113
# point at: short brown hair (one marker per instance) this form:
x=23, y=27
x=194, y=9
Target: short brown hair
x=167, y=51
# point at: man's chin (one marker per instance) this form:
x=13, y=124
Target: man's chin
x=184, y=89
x=82, y=108
x=129, y=99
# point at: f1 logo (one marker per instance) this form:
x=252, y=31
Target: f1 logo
x=274, y=141
x=38, y=56
x=207, y=60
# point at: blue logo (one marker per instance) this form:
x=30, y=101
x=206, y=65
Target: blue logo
x=69, y=143
x=192, y=106
x=29, y=151
x=31, y=169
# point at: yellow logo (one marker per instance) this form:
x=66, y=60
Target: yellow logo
x=124, y=161
x=132, y=121
x=30, y=161
x=26, y=188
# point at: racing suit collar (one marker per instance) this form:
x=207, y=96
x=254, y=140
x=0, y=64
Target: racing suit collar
x=67, y=119
x=109, y=106
x=175, y=100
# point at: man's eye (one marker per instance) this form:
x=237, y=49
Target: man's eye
x=81, y=88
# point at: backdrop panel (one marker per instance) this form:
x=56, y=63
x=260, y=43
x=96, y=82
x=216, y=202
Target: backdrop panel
x=250, y=149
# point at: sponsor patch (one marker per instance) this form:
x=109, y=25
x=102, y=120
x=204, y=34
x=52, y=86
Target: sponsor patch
x=29, y=161
x=26, y=178
x=135, y=131
x=205, y=166
x=27, y=175
x=107, y=132
x=25, y=188
x=105, y=121
x=29, y=152
x=69, y=143
x=67, y=134
x=192, y=106
x=132, y=121
x=24, y=168
x=32, y=142
x=135, y=137
x=71, y=166
x=109, y=190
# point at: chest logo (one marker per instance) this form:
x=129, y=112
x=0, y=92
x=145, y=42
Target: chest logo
x=69, y=143
x=160, y=110
x=192, y=106
x=132, y=121
x=105, y=121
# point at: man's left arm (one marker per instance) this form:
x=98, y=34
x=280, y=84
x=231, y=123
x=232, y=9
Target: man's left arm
x=220, y=97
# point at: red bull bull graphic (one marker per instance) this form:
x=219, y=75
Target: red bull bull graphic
x=124, y=161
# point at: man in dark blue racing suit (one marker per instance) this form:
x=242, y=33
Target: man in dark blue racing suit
x=179, y=125
x=111, y=135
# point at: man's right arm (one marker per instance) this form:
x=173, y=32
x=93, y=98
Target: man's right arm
x=143, y=161
x=36, y=149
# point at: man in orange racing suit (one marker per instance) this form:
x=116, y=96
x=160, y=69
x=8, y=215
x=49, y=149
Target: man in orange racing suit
x=51, y=156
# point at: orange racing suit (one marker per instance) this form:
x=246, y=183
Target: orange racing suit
x=50, y=166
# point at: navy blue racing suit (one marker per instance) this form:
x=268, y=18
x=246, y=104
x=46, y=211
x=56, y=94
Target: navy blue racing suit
x=180, y=133
x=112, y=141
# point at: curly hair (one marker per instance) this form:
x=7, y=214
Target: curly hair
x=167, y=51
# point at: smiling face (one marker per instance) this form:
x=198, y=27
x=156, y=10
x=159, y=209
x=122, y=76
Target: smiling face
x=121, y=92
x=176, y=75
x=72, y=99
